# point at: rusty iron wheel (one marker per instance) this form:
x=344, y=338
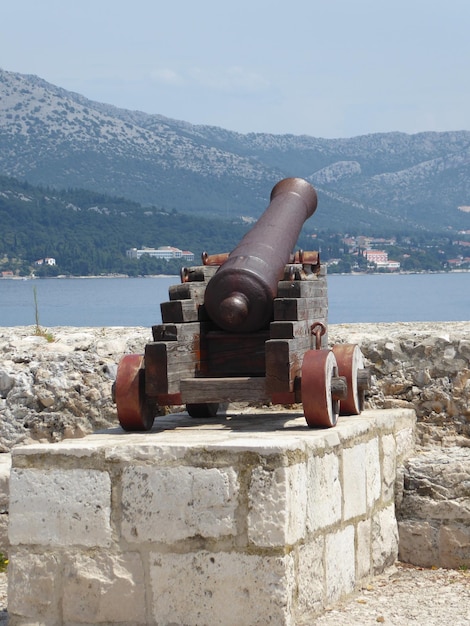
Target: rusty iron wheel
x=203, y=409
x=350, y=360
x=318, y=369
x=136, y=412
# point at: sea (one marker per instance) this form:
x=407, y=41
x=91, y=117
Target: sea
x=102, y=302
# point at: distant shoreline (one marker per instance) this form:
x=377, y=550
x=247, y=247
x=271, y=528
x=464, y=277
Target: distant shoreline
x=62, y=277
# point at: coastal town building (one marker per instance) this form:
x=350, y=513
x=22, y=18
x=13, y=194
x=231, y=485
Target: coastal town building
x=48, y=260
x=380, y=259
x=163, y=252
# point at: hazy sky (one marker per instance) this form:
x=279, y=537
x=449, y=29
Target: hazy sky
x=335, y=68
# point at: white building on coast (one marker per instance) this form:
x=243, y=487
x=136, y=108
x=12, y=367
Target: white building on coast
x=163, y=252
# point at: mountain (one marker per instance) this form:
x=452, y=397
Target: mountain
x=378, y=182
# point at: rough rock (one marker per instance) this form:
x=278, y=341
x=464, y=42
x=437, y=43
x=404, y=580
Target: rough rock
x=60, y=389
x=424, y=366
x=51, y=390
x=434, y=513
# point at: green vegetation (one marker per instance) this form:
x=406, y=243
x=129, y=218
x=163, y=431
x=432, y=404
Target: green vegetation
x=3, y=563
x=88, y=234
x=40, y=332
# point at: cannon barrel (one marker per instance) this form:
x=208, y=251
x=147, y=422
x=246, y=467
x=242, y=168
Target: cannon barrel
x=239, y=297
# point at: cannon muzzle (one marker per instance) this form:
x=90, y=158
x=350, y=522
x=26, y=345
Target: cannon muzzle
x=239, y=297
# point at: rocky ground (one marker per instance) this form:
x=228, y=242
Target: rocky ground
x=406, y=595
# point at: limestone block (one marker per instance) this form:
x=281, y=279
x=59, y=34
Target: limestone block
x=373, y=473
x=324, y=494
x=389, y=467
x=104, y=587
x=60, y=507
x=310, y=577
x=437, y=486
x=340, y=563
x=169, y=504
x=5, y=463
x=384, y=539
x=4, y=543
x=277, y=505
x=5, y=467
x=425, y=507
x=454, y=546
x=405, y=441
x=227, y=589
x=419, y=543
x=354, y=481
x=363, y=552
x=436, y=503
x=34, y=588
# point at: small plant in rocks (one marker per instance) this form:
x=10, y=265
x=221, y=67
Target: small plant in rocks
x=40, y=332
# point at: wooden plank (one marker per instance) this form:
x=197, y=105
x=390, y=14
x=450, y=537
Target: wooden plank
x=315, y=288
x=231, y=389
x=294, y=330
x=289, y=330
x=298, y=309
x=167, y=362
x=234, y=354
x=199, y=273
x=284, y=358
x=176, y=332
x=179, y=311
x=188, y=291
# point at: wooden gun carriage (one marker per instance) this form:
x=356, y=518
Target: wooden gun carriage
x=249, y=326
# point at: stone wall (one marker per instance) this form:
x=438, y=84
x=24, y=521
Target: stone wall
x=62, y=389
x=249, y=519
x=425, y=366
x=50, y=391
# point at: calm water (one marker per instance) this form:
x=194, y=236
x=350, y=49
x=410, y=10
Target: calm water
x=136, y=301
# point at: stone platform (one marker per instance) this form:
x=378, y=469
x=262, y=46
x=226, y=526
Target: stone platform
x=247, y=519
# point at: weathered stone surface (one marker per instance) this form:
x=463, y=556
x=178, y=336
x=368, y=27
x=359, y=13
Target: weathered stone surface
x=39, y=601
x=275, y=517
x=179, y=503
x=60, y=507
x=363, y=554
x=325, y=494
x=198, y=522
x=434, y=513
x=104, y=588
x=424, y=365
x=339, y=549
x=223, y=588
x=354, y=481
x=384, y=541
x=59, y=390
x=311, y=566
x=51, y=391
x=5, y=466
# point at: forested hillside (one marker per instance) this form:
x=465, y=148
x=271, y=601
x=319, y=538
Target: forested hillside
x=89, y=233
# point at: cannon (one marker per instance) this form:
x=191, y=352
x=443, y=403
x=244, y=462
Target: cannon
x=249, y=326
